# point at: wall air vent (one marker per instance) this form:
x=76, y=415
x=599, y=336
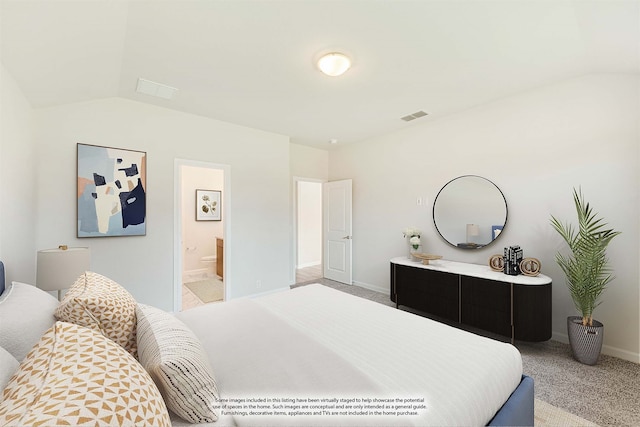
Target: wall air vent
x=414, y=116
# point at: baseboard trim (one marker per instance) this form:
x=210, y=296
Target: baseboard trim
x=371, y=287
x=308, y=264
x=606, y=349
x=273, y=291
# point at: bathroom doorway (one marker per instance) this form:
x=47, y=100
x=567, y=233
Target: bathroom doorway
x=308, y=240
x=201, y=221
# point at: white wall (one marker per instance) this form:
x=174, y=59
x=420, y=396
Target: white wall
x=260, y=226
x=536, y=147
x=199, y=237
x=309, y=224
x=308, y=162
x=18, y=172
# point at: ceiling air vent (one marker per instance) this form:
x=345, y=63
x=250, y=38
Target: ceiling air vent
x=414, y=116
x=155, y=89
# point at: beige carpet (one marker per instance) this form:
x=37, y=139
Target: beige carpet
x=547, y=415
x=209, y=290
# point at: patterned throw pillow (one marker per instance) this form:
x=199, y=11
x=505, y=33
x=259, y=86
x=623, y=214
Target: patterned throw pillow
x=75, y=376
x=178, y=364
x=101, y=304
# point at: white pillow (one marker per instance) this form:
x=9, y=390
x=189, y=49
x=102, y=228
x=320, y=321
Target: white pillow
x=177, y=362
x=8, y=366
x=26, y=312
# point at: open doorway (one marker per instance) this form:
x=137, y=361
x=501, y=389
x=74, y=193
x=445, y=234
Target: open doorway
x=309, y=230
x=201, y=221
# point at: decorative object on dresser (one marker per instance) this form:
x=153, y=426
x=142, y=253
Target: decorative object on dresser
x=518, y=307
x=58, y=269
x=496, y=262
x=412, y=235
x=512, y=258
x=587, y=273
x=470, y=212
x=530, y=266
x=427, y=257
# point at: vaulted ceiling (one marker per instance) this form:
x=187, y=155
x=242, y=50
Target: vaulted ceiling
x=252, y=63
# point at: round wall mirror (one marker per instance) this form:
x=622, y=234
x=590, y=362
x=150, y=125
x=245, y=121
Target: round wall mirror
x=470, y=212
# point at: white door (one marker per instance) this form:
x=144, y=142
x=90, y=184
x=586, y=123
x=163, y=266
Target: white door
x=337, y=230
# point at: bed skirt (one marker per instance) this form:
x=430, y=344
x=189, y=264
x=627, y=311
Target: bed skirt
x=518, y=409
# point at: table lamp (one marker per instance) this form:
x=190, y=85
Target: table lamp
x=472, y=230
x=59, y=268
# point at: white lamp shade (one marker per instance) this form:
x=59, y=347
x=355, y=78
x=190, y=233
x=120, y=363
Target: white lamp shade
x=59, y=268
x=473, y=230
x=334, y=64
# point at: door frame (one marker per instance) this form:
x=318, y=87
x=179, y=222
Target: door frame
x=177, y=225
x=294, y=234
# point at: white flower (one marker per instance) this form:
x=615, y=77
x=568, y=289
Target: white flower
x=410, y=232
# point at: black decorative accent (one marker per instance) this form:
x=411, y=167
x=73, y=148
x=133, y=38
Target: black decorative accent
x=130, y=171
x=99, y=180
x=512, y=257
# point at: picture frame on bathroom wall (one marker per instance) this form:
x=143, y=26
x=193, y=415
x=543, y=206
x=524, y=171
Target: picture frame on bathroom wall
x=208, y=205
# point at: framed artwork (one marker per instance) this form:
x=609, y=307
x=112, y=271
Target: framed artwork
x=111, y=189
x=208, y=205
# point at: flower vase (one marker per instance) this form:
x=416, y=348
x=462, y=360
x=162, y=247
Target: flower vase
x=412, y=251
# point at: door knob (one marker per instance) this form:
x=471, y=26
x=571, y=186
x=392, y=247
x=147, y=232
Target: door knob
x=347, y=237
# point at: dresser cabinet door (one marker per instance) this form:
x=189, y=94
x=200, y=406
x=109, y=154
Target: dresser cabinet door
x=486, y=304
x=532, y=312
x=433, y=292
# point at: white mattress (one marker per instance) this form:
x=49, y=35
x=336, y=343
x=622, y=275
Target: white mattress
x=316, y=341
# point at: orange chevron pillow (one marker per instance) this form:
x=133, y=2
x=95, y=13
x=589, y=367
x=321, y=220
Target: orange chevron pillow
x=76, y=376
x=99, y=303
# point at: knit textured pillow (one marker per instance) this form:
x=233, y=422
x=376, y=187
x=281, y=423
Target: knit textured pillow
x=76, y=376
x=176, y=361
x=101, y=304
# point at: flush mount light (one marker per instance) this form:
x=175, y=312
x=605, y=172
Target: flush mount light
x=334, y=64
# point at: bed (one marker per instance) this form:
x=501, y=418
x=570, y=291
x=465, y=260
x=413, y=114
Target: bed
x=317, y=356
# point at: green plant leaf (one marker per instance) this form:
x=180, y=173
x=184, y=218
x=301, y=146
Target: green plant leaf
x=586, y=268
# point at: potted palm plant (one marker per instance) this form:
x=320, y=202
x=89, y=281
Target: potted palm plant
x=587, y=273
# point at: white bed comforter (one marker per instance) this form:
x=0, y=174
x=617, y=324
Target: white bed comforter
x=316, y=342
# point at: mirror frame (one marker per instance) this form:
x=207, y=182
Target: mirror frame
x=435, y=201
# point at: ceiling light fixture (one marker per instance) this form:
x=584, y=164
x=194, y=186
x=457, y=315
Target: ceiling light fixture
x=334, y=64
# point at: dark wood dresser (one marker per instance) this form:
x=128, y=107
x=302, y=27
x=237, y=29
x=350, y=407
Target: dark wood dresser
x=474, y=295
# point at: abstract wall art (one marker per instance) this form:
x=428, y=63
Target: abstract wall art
x=111, y=190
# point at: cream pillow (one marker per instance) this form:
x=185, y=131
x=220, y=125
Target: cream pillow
x=101, y=304
x=176, y=361
x=26, y=312
x=8, y=366
x=76, y=376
